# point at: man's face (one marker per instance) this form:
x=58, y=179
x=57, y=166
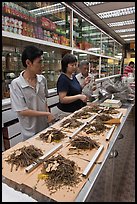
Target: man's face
x=37, y=66
x=85, y=70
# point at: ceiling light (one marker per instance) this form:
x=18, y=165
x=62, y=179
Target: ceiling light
x=94, y=49
x=60, y=22
x=115, y=13
x=121, y=23
x=50, y=11
x=129, y=39
x=82, y=54
x=92, y=3
x=46, y=7
x=125, y=30
x=91, y=34
x=125, y=36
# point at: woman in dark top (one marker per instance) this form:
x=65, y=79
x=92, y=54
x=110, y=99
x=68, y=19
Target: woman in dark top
x=68, y=87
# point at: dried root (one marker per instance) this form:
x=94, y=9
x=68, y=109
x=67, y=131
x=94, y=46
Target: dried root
x=71, y=123
x=24, y=156
x=52, y=135
x=84, y=142
x=60, y=172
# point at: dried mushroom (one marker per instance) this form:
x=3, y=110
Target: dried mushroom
x=71, y=123
x=52, y=135
x=24, y=156
x=60, y=172
x=84, y=142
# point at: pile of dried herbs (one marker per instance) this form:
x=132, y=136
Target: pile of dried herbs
x=60, y=172
x=104, y=117
x=93, y=109
x=52, y=135
x=71, y=123
x=81, y=115
x=84, y=142
x=110, y=110
x=95, y=127
x=24, y=156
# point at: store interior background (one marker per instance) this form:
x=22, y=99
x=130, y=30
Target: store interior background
x=106, y=38
x=101, y=32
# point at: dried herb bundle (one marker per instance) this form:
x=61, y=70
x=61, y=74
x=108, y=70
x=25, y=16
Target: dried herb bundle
x=84, y=142
x=61, y=172
x=81, y=114
x=71, y=123
x=95, y=127
x=24, y=156
x=52, y=135
x=103, y=117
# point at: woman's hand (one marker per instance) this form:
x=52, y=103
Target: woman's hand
x=83, y=97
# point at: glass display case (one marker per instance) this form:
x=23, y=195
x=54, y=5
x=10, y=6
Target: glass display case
x=85, y=35
x=56, y=29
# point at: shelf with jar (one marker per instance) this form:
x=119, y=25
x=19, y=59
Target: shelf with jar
x=19, y=20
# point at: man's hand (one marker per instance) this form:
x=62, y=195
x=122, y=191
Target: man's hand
x=87, y=80
x=51, y=118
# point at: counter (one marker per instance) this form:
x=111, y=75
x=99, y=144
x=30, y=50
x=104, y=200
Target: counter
x=92, y=190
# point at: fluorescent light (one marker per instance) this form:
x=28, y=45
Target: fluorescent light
x=125, y=36
x=46, y=7
x=82, y=55
x=88, y=28
x=125, y=30
x=129, y=39
x=118, y=12
x=92, y=3
x=94, y=49
x=90, y=34
x=121, y=23
x=117, y=56
x=50, y=11
x=60, y=22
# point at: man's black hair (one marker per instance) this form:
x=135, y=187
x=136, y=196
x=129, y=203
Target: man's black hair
x=68, y=58
x=30, y=52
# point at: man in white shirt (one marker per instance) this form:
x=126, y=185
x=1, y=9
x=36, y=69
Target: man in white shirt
x=84, y=74
x=28, y=94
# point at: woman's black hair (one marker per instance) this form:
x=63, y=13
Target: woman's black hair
x=131, y=62
x=68, y=58
x=30, y=52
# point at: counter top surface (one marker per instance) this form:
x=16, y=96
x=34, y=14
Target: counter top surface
x=92, y=177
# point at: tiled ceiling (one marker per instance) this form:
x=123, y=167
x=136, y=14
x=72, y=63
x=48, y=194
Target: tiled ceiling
x=115, y=18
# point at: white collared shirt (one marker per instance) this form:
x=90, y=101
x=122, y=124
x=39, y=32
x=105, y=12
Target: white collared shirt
x=87, y=90
x=24, y=96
